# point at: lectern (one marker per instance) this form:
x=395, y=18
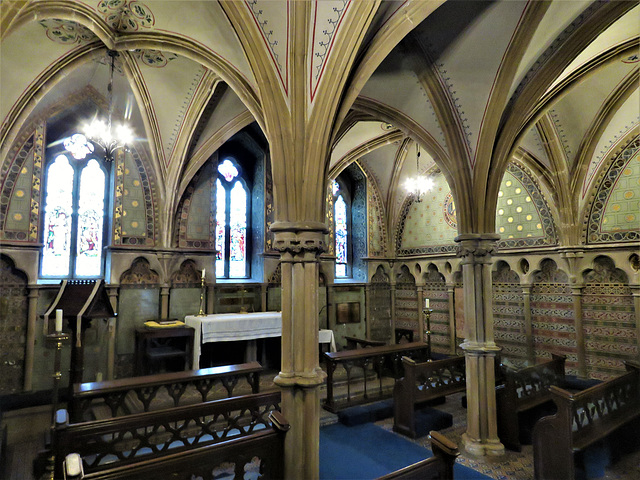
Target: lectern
x=81, y=301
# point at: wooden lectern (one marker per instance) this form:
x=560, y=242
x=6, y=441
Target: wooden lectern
x=80, y=301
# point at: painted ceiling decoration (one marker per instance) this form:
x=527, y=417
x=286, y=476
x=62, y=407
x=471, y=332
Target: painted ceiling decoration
x=66, y=32
x=126, y=16
x=153, y=58
x=327, y=18
x=268, y=17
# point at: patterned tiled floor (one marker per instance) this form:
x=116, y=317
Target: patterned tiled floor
x=512, y=465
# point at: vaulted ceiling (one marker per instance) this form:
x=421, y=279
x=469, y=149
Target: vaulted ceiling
x=554, y=84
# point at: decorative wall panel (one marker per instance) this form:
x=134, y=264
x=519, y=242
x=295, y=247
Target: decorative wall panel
x=508, y=314
x=553, y=315
x=196, y=220
x=406, y=302
x=608, y=320
x=380, y=308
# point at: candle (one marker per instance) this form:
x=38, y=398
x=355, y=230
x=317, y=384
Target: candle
x=58, y=320
x=426, y=303
x=203, y=273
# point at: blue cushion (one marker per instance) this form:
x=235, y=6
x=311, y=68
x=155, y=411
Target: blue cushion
x=428, y=419
x=354, y=415
x=571, y=382
x=371, y=412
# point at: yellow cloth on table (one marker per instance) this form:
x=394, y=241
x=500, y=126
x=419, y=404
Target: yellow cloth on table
x=154, y=324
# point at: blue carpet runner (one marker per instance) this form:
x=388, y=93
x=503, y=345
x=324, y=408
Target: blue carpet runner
x=365, y=452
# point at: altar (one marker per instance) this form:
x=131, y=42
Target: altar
x=227, y=327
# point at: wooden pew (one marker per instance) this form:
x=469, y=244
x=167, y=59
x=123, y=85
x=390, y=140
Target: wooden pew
x=97, y=400
x=131, y=439
x=423, y=382
x=440, y=466
x=523, y=391
x=364, y=366
x=583, y=419
x=354, y=343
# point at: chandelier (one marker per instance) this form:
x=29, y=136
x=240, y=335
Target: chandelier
x=420, y=184
x=109, y=137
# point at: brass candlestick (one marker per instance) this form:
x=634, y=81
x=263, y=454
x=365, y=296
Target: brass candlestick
x=57, y=338
x=202, y=297
x=427, y=332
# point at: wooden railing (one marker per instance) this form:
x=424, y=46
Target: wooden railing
x=365, y=370
x=97, y=400
x=133, y=438
x=422, y=382
x=523, y=390
x=583, y=419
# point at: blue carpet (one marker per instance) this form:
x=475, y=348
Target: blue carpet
x=365, y=452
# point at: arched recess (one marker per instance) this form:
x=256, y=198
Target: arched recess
x=139, y=287
x=435, y=289
x=428, y=226
x=406, y=302
x=552, y=314
x=523, y=216
x=608, y=319
x=377, y=232
x=13, y=328
x=380, y=306
x=611, y=215
x=508, y=313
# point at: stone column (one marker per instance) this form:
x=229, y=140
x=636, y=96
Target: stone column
x=421, y=327
x=29, y=356
x=528, y=323
x=299, y=245
x=367, y=307
x=581, y=349
x=481, y=437
x=164, y=301
x=452, y=318
x=112, y=292
x=392, y=287
x=635, y=291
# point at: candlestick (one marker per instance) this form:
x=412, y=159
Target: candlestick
x=202, y=297
x=58, y=320
x=427, y=332
x=57, y=339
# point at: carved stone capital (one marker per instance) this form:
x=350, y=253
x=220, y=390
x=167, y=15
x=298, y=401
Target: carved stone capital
x=476, y=248
x=299, y=238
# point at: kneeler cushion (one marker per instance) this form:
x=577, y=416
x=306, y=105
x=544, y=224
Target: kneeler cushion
x=428, y=419
x=366, y=413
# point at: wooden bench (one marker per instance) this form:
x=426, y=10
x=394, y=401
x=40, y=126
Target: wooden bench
x=97, y=400
x=583, y=419
x=440, y=466
x=526, y=392
x=363, y=367
x=421, y=383
x=354, y=343
x=128, y=440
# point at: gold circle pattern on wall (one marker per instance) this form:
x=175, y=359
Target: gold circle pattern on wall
x=516, y=214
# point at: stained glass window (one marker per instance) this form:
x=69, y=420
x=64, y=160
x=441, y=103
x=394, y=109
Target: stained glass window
x=75, y=203
x=90, y=221
x=57, y=218
x=221, y=223
x=341, y=231
x=232, y=216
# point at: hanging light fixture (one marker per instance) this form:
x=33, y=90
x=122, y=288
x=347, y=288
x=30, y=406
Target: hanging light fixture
x=420, y=184
x=109, y=137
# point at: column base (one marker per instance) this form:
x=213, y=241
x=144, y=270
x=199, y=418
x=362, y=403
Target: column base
x=314, y=379
x=480, y=448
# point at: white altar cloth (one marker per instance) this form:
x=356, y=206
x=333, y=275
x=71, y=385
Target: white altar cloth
x=227, y=327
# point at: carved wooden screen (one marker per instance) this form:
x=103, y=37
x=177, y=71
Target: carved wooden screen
x=13, y=327
x=407, y=302
x=380, y=309
x=435, y=289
